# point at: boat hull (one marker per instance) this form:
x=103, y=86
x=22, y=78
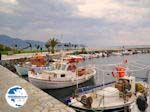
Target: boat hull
x=117, y=109
x=49, y=84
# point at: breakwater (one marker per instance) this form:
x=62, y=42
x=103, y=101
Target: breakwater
x=38, y=101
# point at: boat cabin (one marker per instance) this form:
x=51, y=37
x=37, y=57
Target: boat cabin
x=64, y=66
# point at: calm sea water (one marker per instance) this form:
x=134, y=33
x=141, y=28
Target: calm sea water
x=138, y=60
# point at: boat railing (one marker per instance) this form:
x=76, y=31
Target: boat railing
x=88, y=89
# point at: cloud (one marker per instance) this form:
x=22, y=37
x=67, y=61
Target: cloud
x=110, y=10
x=92, y=22
x=8, y=6
x=9, y=1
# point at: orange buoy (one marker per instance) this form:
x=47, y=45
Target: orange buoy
x=120, y=72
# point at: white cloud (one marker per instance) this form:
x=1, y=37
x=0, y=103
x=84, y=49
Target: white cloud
x=110, y=10
x=8, y=6
x=93, y=22
x=9, y=1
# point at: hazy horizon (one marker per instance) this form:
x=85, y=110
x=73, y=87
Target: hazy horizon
x=94, y=23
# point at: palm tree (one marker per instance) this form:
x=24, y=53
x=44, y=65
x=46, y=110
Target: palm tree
x=47, y=46
x=51, y=43
x=16, y=46
x=37, y=47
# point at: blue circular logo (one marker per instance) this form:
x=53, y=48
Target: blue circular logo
x=16, y=96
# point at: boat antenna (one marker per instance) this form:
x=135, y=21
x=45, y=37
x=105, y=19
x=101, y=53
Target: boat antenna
x=147, y=76
x=77, y=85
x=103, y=86
x=62, y=53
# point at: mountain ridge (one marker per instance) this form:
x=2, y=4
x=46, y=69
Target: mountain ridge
x=20, y=43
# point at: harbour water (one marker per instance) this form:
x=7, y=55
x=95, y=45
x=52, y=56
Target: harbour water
x=141, y=59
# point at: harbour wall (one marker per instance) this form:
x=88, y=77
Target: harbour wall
x=38, y=101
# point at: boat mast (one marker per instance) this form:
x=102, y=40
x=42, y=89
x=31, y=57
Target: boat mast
x=62, y=54
x=77, y=80
x=103, y=86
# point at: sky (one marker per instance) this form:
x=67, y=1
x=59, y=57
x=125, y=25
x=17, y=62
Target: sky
x=94, y=23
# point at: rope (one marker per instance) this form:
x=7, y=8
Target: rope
x=138, y=63
x=131, y=70
x=136, y=66
x=132, y=63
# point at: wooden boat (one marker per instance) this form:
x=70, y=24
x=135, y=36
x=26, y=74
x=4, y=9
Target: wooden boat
x=126, y=52
x=60, y=75
x=116, y=53
x=120, y=96
x=37, y=60
x=74, y=58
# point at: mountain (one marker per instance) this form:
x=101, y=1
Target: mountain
x=12, y=42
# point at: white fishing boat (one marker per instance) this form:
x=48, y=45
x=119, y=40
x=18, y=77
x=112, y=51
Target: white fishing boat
x=116, y=53
x=85, y=56
x=126, y=52
x=73, y=58
x=121, y=95
x=37, y=60
x=60, y=75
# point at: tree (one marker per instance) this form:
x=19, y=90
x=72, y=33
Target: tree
x=37, y=47
x=16, y=46
x=47, y=46
x=51, y=44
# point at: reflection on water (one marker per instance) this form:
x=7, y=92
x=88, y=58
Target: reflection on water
x=143, y=59
x=62, y=93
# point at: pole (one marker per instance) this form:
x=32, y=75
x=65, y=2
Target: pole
x=77, y=79
x=103, y=87
x=0, y=56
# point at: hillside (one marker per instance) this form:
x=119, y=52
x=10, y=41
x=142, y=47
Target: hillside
x=19, y=43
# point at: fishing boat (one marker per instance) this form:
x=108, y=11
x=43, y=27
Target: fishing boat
x=85, y=56
x=116, y=53
x=22, y=69
x=74, y=58
x=119, y=95
x=37, y=60
x=126, y=52
x=60, y=75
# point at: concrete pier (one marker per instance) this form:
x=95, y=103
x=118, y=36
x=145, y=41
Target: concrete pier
x=38, y=101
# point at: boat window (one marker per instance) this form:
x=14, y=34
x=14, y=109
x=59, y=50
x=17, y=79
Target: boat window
x=57, y=66
x=60, y=66
x=62, y=75
x=71, y=67
x=52, y=67
x=63, y=67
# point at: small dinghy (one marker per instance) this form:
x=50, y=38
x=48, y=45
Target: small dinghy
x=121, y=95
x=22, y=69
x=60, y=75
